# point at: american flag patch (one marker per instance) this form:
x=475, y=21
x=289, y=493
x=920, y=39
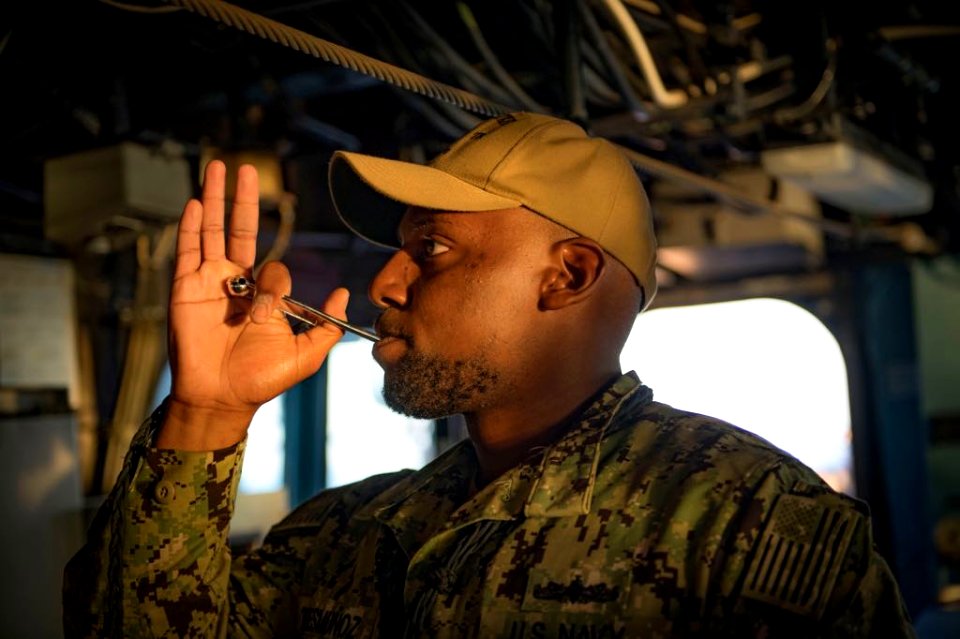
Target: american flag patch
x=800, y=554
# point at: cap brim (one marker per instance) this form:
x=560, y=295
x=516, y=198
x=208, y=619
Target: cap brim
x=371, y=194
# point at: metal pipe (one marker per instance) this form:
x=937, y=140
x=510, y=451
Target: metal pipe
x=664, y=98
x=245, y=287
x=727, y=193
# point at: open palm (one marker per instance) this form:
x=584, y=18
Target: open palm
x=222, y=358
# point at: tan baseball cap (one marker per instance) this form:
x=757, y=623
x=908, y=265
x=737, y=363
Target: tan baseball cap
x=548, y=165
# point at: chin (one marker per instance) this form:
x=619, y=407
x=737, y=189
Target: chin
x=431, y=386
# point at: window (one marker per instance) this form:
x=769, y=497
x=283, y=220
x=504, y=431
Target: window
x=263, y=459
x=365, y=437
x=765, y=365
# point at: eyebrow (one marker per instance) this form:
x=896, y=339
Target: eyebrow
x=416, y=226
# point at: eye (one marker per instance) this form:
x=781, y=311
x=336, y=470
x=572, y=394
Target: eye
x=433, y=248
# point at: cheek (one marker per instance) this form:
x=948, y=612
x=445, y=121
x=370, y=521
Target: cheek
x=501, y=302
x=480, y=305
x=483, y=280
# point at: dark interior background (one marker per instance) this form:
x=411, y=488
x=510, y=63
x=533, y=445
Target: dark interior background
x=91, y=74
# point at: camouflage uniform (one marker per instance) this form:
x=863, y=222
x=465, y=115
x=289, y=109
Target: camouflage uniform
x=641, y=521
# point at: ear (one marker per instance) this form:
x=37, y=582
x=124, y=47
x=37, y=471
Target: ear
x=577, y=264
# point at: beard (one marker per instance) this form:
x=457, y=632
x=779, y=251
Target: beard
x=430, y=386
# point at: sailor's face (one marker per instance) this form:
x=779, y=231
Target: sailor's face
x=456, y=300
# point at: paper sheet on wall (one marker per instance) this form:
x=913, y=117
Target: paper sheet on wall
x=37, y=324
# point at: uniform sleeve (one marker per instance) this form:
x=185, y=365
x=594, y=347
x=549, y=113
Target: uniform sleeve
x=808, y=567
x=865, y=600
x=157, y=560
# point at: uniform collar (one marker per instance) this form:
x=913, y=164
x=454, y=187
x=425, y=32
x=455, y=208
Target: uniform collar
x=567, y=472
x=557, y=482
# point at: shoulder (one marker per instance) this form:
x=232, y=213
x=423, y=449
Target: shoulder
x=781, y=542
x=717, y=481
x=708, y=435
x=682, y=447
x=712, y=449
x=341, y=503
x=809, y=554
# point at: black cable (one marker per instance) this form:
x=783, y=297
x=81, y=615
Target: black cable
x=542, y=27
x=423, y=108
x=598, y=90
x=447, y=118
x=456, y=122
x=511, y=85
x=450, y=56
x=299, y=41
x=620, y=51
x=613, y=66
x=696, y=63
x=567, y=28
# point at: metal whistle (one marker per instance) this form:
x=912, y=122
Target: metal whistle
x=241, y=286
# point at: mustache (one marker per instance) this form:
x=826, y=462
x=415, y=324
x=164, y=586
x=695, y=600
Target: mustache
x=388, y=324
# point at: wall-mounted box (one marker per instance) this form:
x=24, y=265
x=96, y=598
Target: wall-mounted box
x=87, y=192
x=851, y=178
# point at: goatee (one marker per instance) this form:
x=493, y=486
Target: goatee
x=429, y=386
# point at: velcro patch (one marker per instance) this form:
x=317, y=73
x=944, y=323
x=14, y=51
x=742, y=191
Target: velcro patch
x=800, y=555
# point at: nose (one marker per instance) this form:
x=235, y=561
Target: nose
x=390, y=288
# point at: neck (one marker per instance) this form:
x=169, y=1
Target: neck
x=506, y=435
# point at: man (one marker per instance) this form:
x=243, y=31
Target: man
x=579, y=507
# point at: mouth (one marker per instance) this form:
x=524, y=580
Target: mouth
x=394, y=340
x=389, y=349
x=387, y=327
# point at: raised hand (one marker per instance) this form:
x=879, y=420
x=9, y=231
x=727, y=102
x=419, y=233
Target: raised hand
x=229, y=356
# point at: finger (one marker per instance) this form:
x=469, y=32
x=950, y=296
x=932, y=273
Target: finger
x=188, y=239
x=273, y=282
x=313, y=345
x=211, y=229
x=242, y=247
x=336, y=305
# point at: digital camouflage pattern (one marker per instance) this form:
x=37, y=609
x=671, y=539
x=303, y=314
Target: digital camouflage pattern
x=641, y=521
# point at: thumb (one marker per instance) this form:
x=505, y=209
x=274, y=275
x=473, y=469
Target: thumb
x=313, y=345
